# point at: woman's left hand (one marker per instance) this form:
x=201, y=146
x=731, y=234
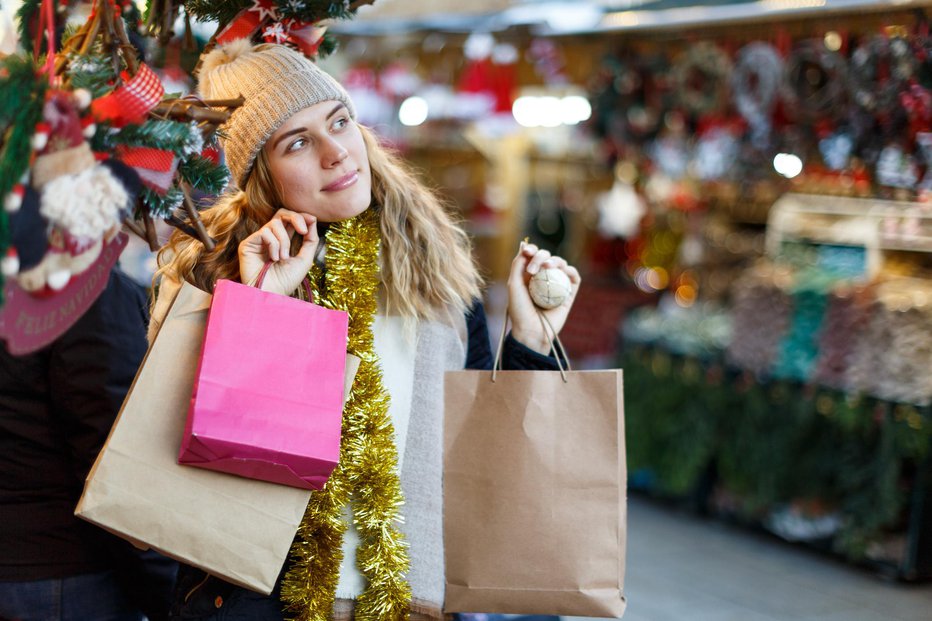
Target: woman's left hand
x=526, y=326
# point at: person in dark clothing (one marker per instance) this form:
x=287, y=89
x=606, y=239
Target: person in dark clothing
x=56, y=408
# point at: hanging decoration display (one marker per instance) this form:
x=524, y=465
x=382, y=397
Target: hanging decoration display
x=833, y=113
x=90, y=145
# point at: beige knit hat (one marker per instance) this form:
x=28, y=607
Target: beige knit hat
x=275, y=81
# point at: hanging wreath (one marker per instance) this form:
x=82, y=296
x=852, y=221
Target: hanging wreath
x=755, y=81
x=880, y=69
x=700, y=77
x=814, y=83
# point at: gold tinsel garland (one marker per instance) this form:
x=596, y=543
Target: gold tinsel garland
x=367, y=470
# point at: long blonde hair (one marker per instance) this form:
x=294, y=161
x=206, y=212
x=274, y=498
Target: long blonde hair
x=426, y=262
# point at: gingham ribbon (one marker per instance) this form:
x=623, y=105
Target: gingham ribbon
x=130, y=102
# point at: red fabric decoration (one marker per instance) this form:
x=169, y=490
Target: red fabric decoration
x=304, y=35
x=248, y=21
x=156, y=168
x=130, y=102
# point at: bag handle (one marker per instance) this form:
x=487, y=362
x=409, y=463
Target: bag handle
x=306, y=283
x=555, y=339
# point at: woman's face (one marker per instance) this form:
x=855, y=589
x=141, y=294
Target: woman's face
x=319, y=163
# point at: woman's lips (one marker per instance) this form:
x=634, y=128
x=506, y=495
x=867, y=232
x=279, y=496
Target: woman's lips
x=342, y=183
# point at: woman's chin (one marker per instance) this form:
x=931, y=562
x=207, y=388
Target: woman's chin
x=345, y=212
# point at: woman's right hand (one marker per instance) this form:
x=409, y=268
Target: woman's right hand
x=273, y=243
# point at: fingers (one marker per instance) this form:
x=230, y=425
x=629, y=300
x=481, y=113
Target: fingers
x=282, y=236
x=536, y=255
x=299, y=221
x=270, y=242
x=281, y=226
x=311, y=238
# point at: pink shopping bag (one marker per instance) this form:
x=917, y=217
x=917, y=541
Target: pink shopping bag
x=268, y=396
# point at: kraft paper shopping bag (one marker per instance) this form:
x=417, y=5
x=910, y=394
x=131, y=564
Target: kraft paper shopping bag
x=534, y=492
x=235, y=528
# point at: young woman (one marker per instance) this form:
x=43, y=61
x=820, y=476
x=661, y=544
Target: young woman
x=319, y=197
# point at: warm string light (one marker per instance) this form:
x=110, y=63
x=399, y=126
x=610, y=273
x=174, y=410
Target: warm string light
x=368, y=468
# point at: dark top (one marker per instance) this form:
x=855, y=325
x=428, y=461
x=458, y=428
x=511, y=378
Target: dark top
x=515, y=356
x=56, y=409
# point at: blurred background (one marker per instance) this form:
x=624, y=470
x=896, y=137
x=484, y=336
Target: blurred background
x=746, y=188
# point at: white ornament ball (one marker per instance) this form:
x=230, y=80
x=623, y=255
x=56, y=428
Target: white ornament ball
x=549, y=287
x=10, y=264
x=89, y=130
x=82, y=97
x=39, y=141
x=58, y=279
x=13, y=201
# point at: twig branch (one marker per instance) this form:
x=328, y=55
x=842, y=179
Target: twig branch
x=196, y=219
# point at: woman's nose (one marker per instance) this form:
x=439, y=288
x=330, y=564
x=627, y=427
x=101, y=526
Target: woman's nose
x=333, y=153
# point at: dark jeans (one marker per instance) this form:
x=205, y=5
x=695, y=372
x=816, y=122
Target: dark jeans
x=206, y=598
x=87, y=597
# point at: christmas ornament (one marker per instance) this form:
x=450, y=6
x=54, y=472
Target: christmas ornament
x=131, y=101
x=815, y=80
x=897, y=169
x=715, y=154
x=620, y=211
x=755, y=84
x=700, y=77
x=549, y=288
x=879, y=70
x=836, y=150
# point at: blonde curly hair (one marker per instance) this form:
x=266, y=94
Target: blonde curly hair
x=426, y=261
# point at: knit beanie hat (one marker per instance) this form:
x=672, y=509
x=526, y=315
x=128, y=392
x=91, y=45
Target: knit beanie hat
x=276, y=83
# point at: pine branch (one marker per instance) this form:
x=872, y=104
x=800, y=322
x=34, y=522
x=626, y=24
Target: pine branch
x=328, y=46
x=22, y=94
x=162, y=206
x=222, y=11
x=202, y=174
x=182, y=139
x=27, y=18
x=92, y=71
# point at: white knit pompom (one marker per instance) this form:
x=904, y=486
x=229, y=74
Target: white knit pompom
x=9, y=265
x=222, y=55
x=14, y=200
x=549, y=287
x=86, y=204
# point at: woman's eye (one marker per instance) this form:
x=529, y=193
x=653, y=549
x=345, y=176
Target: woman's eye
x=297, y=144
x=340, y=123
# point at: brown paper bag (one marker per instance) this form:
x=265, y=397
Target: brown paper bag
x=534, y=493
x=235, y=528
